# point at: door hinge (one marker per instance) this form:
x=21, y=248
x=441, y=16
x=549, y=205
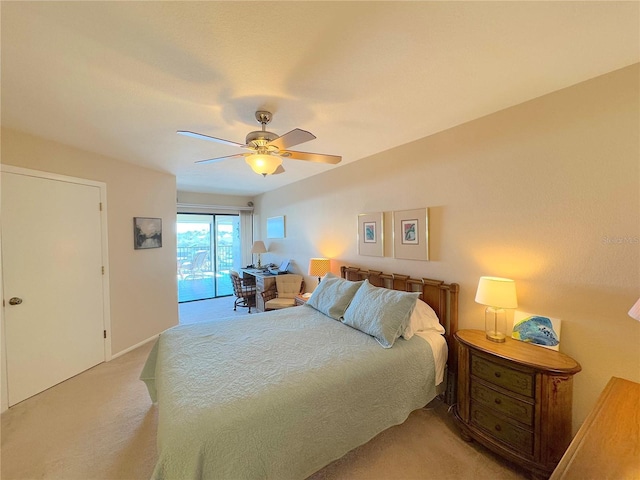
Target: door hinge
x=103, y=270
x=100, y=204
x=105, y=333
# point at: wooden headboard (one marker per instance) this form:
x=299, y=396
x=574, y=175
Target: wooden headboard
x=442, y=297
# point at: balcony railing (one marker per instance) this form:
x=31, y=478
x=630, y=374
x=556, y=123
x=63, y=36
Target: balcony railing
x=224, y=254
x=203, y=282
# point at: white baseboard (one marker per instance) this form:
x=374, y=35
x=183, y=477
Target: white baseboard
x=133, y=347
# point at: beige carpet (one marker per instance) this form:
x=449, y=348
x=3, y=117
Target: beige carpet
x=102, y=425
x=99, y=424
x=204, y=310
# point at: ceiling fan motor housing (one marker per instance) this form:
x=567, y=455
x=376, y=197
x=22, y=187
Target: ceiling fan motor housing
x=260, y=138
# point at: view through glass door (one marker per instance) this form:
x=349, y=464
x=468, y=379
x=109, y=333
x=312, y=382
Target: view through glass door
x=208, y=247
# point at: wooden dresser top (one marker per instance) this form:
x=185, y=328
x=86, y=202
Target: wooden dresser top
x=607, y=445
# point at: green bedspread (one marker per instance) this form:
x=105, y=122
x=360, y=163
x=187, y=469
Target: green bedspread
x=277, y=395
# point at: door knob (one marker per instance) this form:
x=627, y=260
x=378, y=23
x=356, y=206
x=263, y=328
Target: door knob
x=15, y=301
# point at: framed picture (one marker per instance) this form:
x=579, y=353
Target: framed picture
x=147, y=233
x=275, y=227
x=536, y=329
x=370, y=234
x=411, y=234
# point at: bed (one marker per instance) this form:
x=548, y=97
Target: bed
x=281, y=394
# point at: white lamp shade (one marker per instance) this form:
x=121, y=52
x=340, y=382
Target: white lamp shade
x=635, y=311
x=319, y=267
x=263, y=164
x=258, y=247
x=497, y=292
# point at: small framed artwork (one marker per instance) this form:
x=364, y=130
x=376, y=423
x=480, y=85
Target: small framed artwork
x=411, y=234
x=370, y=234
x=147, y=233
x=275, y=227
x=536, y=329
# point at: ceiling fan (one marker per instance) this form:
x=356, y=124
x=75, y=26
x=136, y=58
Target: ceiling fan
x=267, y=148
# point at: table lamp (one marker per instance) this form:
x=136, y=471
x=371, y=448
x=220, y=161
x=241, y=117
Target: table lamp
x=319, y=267
x=497, y=294
x=258, y=247
x=635, y=311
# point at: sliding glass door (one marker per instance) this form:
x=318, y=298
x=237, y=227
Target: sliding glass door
x=227, y=251
x=208, y=247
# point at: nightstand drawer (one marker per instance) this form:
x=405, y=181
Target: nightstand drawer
x=515, y=437
x=505, y=377
x=512, y=407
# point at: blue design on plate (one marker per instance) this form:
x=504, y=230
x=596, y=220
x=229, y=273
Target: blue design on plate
x=537, y=330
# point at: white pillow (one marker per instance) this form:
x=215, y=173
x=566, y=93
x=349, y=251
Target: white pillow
x=422, y=318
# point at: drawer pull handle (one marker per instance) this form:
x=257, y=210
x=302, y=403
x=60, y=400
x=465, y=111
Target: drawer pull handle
x=497, y=374
x=498, y=428
x=498, y=401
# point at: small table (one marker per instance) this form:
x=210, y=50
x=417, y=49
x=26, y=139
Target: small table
x=300, y=300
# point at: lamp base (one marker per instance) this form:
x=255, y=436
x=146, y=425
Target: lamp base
x=495, y=324
x=496, y=337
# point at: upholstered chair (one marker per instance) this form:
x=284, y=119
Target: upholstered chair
x=283, y=296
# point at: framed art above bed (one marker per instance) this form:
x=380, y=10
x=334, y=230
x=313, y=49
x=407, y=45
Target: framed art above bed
x=371, y=234
x=411, y=234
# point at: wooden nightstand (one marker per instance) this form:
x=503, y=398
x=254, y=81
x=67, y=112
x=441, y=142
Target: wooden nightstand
x=515, y=399
x=300, y=300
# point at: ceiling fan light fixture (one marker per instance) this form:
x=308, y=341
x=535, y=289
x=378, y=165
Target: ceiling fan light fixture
x=263, y=164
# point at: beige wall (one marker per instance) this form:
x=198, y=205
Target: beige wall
x=142, y=282
x=546, y=193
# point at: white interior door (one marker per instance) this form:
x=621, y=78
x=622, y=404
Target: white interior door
x=52, y=262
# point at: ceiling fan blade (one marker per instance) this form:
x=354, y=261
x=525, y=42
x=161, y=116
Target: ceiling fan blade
x=219, y=159
x=294, y=137
x=278, y=170
x=201, y=136
x=312, y=157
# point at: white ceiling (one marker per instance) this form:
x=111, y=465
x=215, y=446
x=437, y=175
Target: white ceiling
x=119, y=78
